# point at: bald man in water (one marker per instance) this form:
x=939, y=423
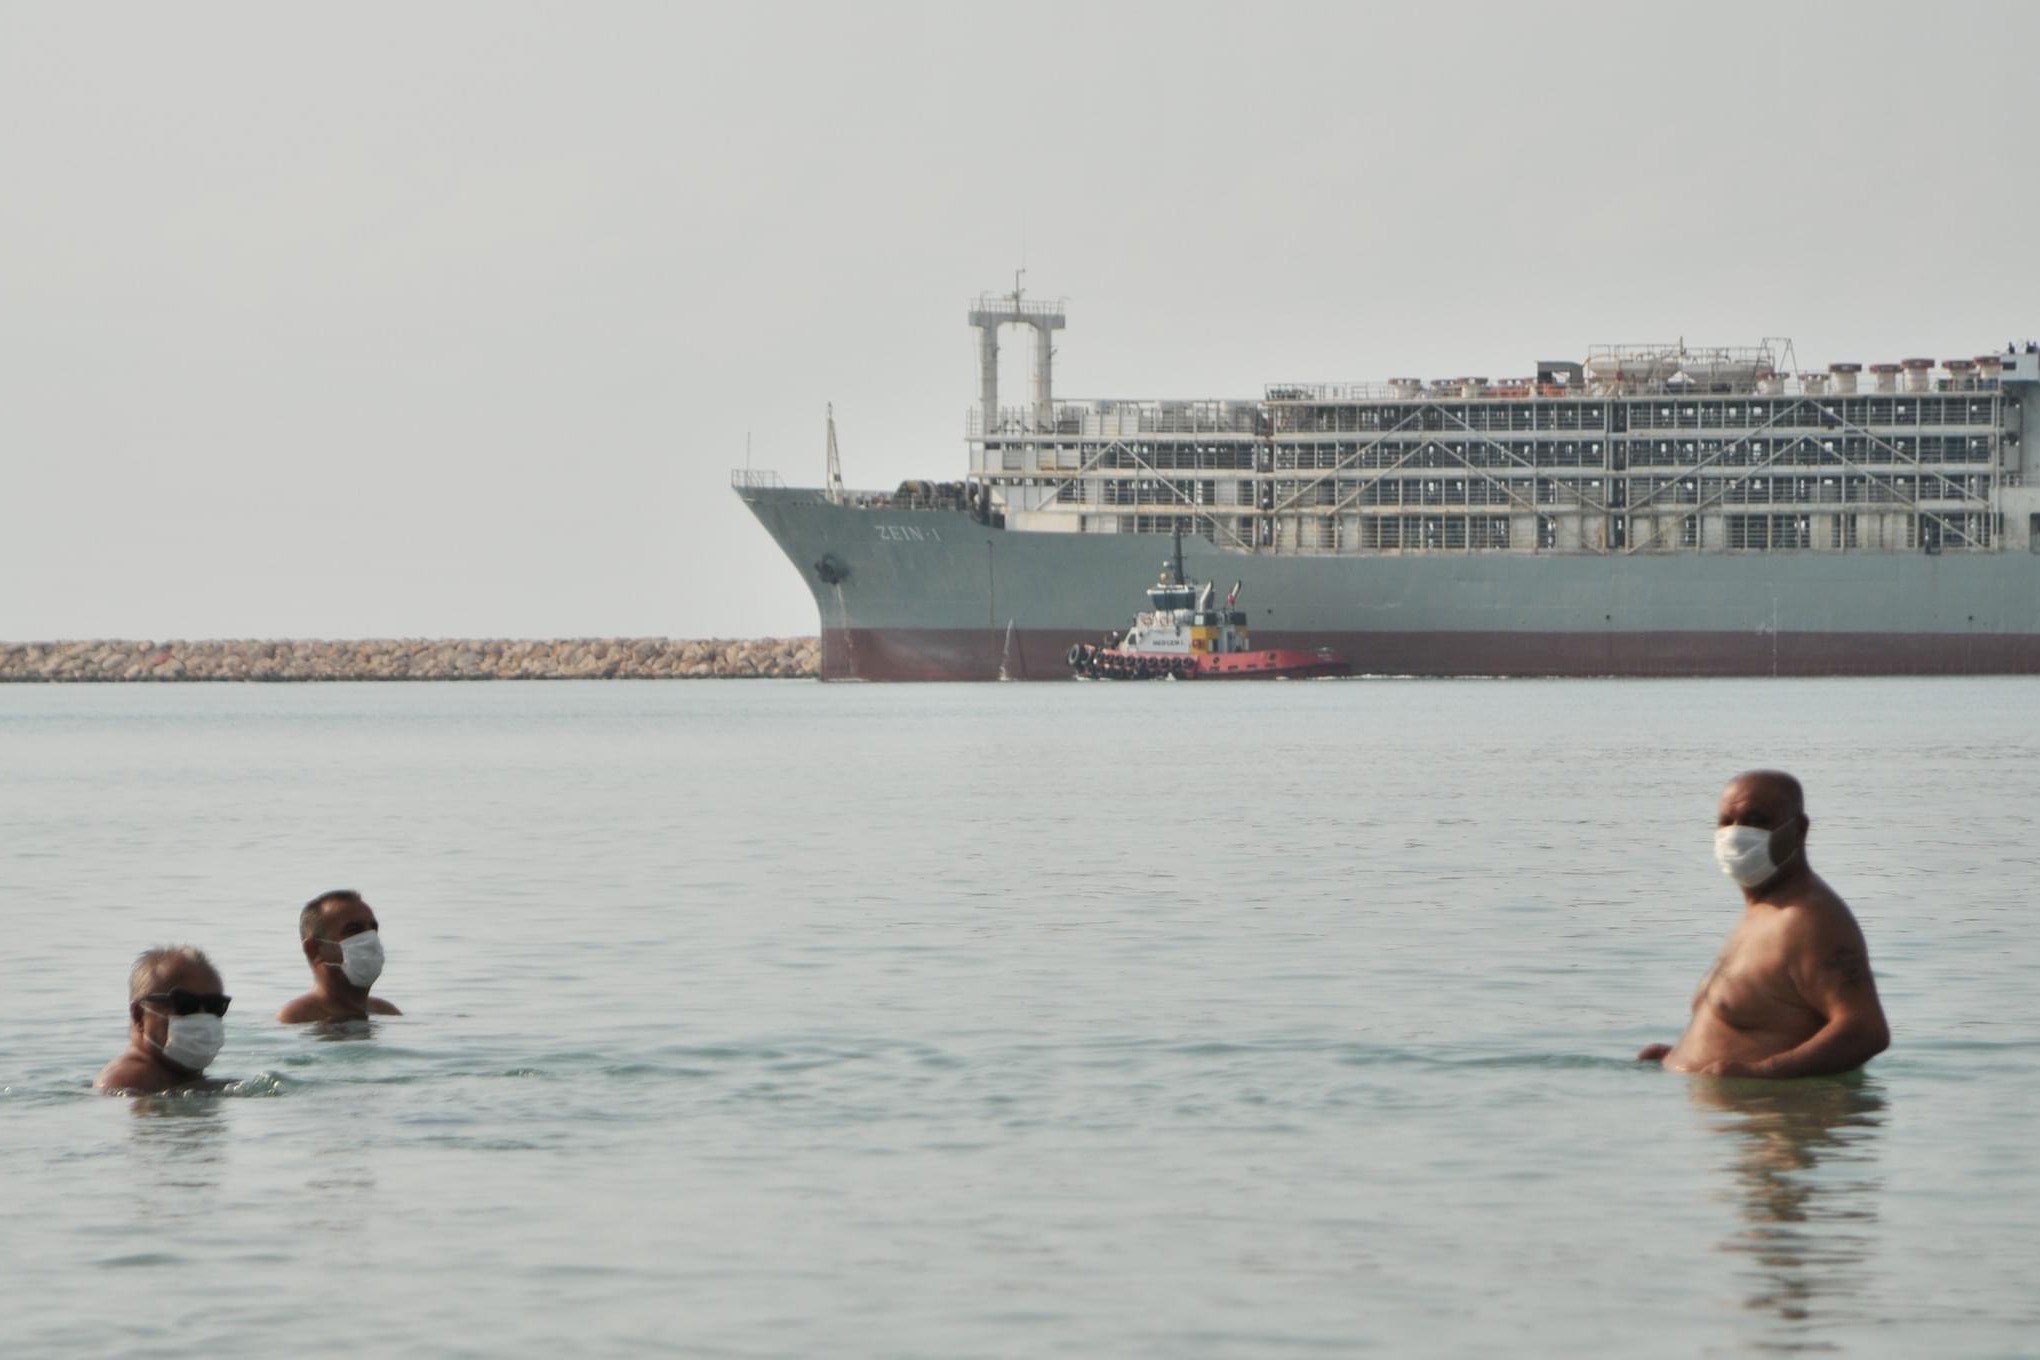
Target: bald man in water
x=1791, y=994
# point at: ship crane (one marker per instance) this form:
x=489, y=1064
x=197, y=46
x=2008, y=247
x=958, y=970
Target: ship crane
x=835, y=488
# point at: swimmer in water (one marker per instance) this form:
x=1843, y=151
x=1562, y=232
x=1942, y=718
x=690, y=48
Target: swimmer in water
x=343, y=943
x=176, y=1023
x=1791, y=994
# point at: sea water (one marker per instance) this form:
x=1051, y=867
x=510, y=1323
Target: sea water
x=783, y=1019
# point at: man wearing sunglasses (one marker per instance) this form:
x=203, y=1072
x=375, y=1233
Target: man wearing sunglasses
x=176, y=1023
x=343, y=943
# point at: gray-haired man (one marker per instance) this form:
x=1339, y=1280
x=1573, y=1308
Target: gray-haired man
x=176, y=1022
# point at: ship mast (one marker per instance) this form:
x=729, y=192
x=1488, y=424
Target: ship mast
x=835, y=461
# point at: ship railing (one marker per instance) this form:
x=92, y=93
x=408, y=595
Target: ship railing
x=1356, y=391
x=1455, y=389
x=1526, y=388
x=1005, y=304
x=1117, y=419
x=909, y=495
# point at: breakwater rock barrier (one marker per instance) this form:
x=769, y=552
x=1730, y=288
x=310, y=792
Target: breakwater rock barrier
x=413, y=659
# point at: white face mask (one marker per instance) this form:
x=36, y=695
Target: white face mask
x=1744, y=854
x=194, y=1040
x=361, y=957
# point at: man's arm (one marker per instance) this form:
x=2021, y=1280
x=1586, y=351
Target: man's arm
x=1831, y=968
x=1657, y=1053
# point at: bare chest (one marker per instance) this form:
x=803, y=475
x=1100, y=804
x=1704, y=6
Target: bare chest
x=1750, y=987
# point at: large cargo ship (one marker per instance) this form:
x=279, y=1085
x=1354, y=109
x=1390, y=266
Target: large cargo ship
x=1645, y=510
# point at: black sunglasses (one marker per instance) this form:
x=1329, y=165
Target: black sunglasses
x=182, y=1002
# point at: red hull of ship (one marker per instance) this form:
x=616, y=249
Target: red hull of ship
x=1031, y=654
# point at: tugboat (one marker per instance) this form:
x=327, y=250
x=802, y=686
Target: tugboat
x=1184, y=636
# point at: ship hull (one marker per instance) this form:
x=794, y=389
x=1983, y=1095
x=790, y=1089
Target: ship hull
x=933, y=595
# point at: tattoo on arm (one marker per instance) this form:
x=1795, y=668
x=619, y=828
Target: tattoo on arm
x=1847, y=966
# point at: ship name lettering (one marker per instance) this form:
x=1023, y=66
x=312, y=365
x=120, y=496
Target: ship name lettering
x=906, y=533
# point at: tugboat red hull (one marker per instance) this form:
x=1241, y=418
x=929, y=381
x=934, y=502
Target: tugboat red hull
x=1277, y=663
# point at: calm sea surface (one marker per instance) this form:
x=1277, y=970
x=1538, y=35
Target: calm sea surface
x=780, y=1019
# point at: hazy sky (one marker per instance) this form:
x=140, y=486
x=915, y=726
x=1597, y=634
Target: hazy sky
x=452, y=319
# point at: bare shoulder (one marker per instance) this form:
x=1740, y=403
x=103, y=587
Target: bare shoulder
x=128, y=1072
x=378, y=1006
x=302, y=1010
x=1822, y=918
x=1827, y=944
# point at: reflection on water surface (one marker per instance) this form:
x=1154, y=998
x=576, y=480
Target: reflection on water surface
x=1802, y=1166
